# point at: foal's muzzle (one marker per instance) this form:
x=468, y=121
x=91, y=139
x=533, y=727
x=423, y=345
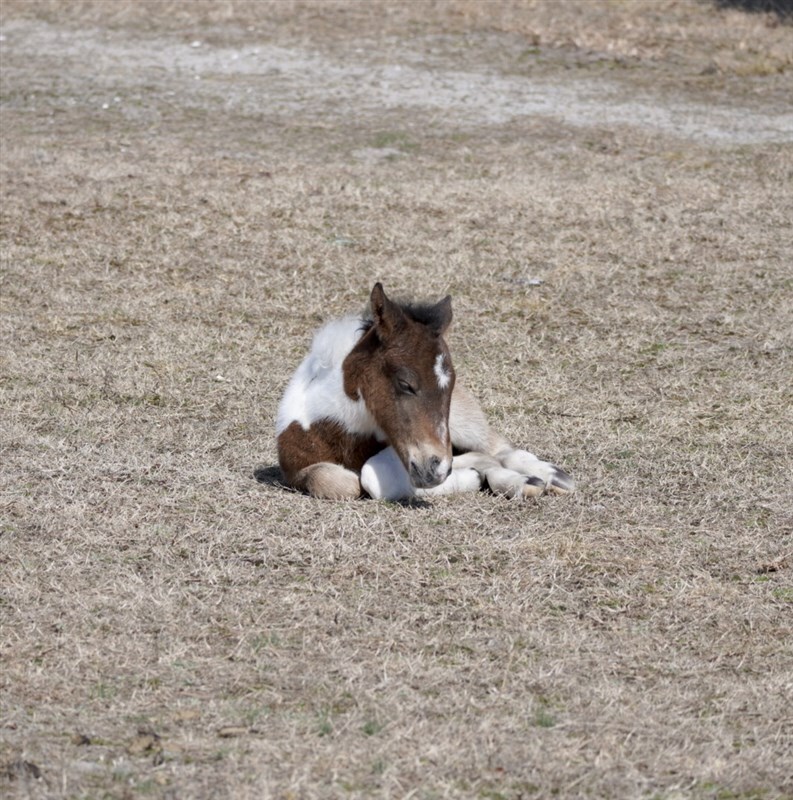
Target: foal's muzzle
x=431, y=472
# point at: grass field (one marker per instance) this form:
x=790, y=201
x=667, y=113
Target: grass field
x=188, y=189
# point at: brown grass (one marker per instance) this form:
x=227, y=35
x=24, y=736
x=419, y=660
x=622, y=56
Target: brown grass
x=170, y=627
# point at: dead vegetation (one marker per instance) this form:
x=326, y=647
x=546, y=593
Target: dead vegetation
x=171, y=627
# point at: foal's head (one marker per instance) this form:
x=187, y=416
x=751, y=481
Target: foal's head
x=402, y=369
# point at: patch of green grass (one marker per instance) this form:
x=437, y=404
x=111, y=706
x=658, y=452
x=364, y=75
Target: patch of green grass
x=371, y=727
x=104, y=691
x=543, y=719
x=784, y=593
x=654, y=347
x=396, y=139
x=492, y=794
x=148, y=786
x=324, y=725
x=265, y=641
x=379, y=767
x=718, y=792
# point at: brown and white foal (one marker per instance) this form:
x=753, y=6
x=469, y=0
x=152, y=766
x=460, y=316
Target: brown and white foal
x=375, y=408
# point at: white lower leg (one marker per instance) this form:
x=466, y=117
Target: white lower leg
x=513, y=484
x=556, y=480
x=384, y=477
x=464, y=479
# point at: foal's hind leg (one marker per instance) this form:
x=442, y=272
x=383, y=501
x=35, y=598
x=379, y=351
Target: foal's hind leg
x=555, y=479
x=500, y=480
x=508, y=470
x=328, y=481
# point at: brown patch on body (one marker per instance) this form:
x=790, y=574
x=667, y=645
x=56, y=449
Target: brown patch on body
x=325, y=441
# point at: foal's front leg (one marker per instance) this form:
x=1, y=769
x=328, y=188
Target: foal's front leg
x=384, y=477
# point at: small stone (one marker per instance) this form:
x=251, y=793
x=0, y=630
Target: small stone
x=230, y=731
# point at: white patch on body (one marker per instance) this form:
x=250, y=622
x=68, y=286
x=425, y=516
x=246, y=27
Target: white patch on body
x=316, y=390
x=441, y=371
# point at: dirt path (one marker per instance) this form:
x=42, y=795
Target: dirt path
x=103, y=67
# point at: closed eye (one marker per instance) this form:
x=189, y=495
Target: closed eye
x=404, y=387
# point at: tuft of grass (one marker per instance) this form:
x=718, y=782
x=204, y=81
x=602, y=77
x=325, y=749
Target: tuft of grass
x=371, y=727
x=394, y=139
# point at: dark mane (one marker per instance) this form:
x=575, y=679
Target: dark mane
x=428, y=314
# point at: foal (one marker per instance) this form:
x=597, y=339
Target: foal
x=375, y=408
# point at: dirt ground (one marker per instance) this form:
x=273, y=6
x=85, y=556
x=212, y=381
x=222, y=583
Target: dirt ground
x=188, y=189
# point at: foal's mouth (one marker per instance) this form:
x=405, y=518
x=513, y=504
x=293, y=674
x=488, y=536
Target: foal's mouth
x=428, y=474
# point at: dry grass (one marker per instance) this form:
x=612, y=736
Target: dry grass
x=677, y=41
x=169, y=627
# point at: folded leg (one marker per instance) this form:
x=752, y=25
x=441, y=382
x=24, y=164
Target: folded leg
x=504, y=481
x=529, y=476
x=328, y=481
x=554, y=479
x=384, y=477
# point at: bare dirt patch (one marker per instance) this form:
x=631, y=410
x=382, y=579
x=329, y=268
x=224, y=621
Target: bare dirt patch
x=187, y=190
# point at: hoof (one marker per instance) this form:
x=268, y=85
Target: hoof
x=561, y=482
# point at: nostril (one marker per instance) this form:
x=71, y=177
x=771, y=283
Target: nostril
x=429, y=472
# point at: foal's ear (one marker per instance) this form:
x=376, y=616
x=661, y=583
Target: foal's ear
x=386, y=314
x=442, y=315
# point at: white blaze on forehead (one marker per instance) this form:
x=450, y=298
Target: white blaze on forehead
x=442, y=371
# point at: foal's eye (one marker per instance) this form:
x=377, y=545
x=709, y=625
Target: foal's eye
x=404, y=387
